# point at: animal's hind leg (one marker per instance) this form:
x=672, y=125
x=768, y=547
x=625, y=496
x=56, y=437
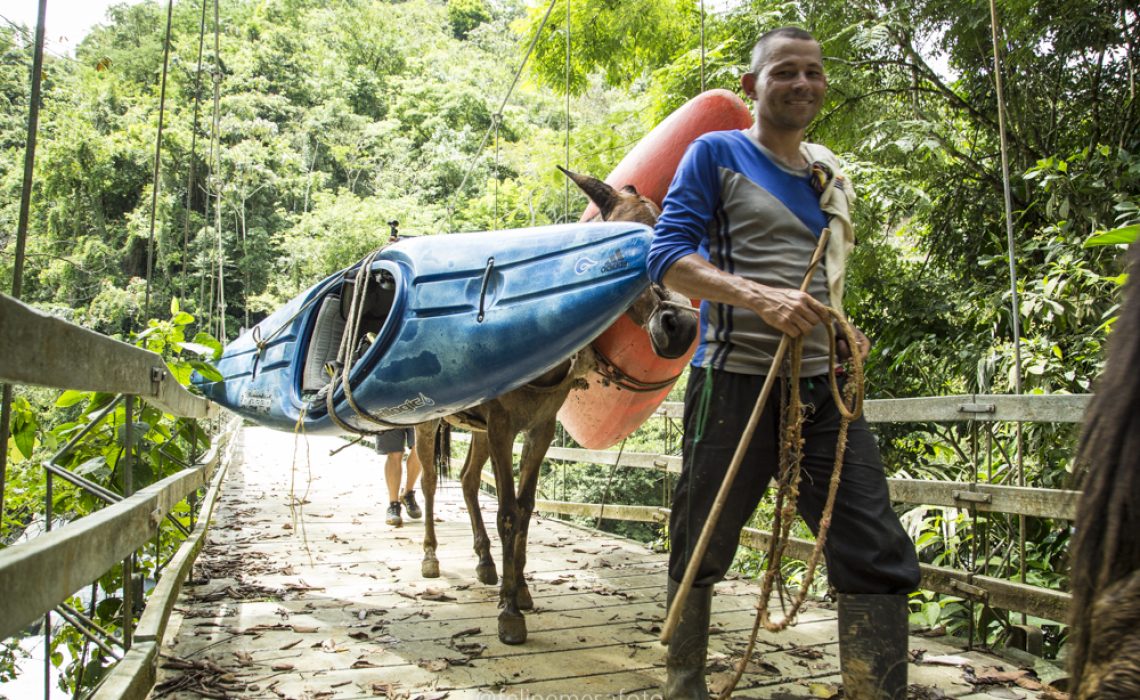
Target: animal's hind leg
x=477, y=455
x=425, y=450
x=534, y=450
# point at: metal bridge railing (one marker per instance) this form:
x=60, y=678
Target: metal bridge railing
x=37, y=577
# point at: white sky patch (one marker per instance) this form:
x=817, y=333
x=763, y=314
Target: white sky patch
x=66, y=23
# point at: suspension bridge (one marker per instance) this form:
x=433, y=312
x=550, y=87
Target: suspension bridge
x=288, y=584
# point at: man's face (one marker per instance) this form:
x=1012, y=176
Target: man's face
x=791, y=84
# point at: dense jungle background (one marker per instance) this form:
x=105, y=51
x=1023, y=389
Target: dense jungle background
x=294, y=130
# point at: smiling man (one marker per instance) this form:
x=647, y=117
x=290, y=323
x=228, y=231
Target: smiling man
x=740, y=223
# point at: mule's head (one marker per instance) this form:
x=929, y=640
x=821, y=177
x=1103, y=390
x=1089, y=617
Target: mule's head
x=668, y=317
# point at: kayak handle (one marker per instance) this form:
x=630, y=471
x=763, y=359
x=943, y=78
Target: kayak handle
x=483, y=288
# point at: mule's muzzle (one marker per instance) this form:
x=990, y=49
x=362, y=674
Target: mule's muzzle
x=672, y=331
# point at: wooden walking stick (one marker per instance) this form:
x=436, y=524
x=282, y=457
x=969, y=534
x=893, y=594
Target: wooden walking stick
x=722, y=496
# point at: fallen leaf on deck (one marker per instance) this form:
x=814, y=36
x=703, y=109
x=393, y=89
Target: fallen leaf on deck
x=469, y=649
x=822, y=690
x=467, y=632
x=290, y=645
x=433, y=665
x=925, y=692
x=244, y=657
x=997, y=675
x=805, y=652
x=1000, y=691
x=282, y=667
x=363, y=663
x=435, y=594
x=946, y=661
x=359, y=636
x=304, y=629
x=758, y=666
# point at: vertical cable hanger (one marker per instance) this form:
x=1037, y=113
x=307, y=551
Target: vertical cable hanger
x=496, y=174
x=216, y=152
x=22, y=228
x=193, y=152
x=702, y=45
x=1014, y=304
x=157, y=160
x=498, y=116
x=566, y=181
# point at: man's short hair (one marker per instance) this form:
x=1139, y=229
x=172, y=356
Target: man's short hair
x=760, y=50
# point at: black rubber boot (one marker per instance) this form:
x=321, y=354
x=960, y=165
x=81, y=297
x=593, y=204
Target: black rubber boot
x=689, y=645
x=873, y=646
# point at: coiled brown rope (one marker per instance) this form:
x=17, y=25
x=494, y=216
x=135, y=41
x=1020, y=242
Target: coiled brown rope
x=850, y=405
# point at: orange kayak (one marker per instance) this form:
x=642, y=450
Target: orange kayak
x=631, y=381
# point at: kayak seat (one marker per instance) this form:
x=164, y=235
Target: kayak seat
x=376, y=307
x=325, y=344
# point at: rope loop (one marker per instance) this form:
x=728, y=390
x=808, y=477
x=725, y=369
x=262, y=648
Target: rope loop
x=849, y=402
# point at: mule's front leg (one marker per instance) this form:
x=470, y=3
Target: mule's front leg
x=472, y=472
x=535, y=444
x=512, y=625
x=425, y=450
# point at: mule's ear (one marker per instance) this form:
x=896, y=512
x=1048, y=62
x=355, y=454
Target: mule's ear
x=630, y=189
x=599, y=192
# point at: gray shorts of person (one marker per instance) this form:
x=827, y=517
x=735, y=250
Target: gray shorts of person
x=395, y=440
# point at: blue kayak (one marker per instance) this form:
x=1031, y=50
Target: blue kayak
x=432, y=325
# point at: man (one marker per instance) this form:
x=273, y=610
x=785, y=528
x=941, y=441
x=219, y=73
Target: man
x=391, y=443
x=740, y=224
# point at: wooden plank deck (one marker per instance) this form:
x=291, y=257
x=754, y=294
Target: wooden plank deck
x=329, y=603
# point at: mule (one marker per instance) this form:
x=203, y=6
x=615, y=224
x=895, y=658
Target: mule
x=1104, y=617
x=671, y=323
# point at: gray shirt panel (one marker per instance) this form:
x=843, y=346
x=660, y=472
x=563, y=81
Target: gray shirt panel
x=755, y=236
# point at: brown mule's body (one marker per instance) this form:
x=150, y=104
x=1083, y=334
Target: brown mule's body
x=531, y=411
x=1104, y=641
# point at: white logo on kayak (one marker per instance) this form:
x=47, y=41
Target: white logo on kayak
x=409, y=405
x=256, y=400
x=584, y=265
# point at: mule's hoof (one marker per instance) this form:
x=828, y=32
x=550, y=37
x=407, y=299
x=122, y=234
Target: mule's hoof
x=486, y=573
x=512, y=628
x=523, y=599
x=430, y=568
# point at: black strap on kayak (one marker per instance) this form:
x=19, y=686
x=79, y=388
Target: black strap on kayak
x=348, y=344
x=613, y=374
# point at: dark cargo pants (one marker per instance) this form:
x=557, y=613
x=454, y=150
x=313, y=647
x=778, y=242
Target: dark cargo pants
x=867, y=550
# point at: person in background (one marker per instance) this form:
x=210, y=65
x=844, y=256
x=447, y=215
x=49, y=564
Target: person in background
x=392, y=444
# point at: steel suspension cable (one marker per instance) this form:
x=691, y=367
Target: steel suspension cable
x=216, y=156
x=193, y=152
x=566, y=181
x=22, y=231
x=1014, y=304
x=157, y=159
x=497, y=117
x=702, y=45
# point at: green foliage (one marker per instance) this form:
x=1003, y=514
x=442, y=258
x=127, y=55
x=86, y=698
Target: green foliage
x=42, y=424
x=465, y=15
x=621, y=41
